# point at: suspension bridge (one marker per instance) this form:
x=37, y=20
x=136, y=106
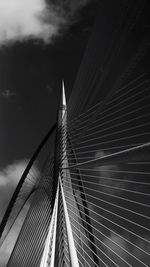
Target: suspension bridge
x=84, y=197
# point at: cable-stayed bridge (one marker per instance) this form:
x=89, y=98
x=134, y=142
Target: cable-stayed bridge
x=88, y=203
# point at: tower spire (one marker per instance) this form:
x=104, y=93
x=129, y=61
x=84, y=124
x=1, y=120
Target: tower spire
x=64, y=105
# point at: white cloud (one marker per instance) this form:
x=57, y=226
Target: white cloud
x=35, y=19
x=23, y=19
x=8, y=245
x=12, y=173
x=9, y=178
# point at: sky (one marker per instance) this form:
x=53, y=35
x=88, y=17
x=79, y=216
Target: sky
x=40, y=44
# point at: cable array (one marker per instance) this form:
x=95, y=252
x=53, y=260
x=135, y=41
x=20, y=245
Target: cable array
x=31, y=201
x=106, y=164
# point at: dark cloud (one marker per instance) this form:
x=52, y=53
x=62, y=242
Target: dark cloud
x=116, y=235
x=7, y=93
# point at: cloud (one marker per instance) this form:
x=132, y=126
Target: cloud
x=9, y=178
x=12, y=172
x=23, y=19
x=118, y=245
x=7, y=94
x=74, y=5
x=8, y=245
x=117, y=242
x=37, y=19
x=49, y=88
x=140, y=255
x=108, y=177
